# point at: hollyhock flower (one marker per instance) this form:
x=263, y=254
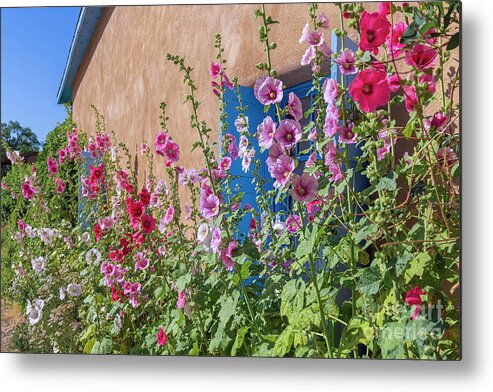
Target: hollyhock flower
x=247, y=160
x=394, y=83
x=322, y=20
x=421, y=56
x=135, y=208
x=330, y=153
x=384, y=8
x=393, y=41
x=96, y=173
x=346, y=134
x=413, y=297
x=282, y=169
x=315, y=38
x=60, y=185
x=304, y=33
x=204, y=235
x=293, y=223
x=14, y=157
x=268, y=90
x=241, y=124
x=74, y=290
x=141, y=262
x=215, y=70
x=170, y=213
x=61, y=293
x=330, y=90
x=227, y=255
x=304, y=188
x=336, y=172
x=216, y=240
x=274, y=153
x=243, y=146
x=52, y=166
x=62, y=155
x=308, y=56
x=294, y=107
x=145, y=197
x=346, y=62
x=225, y=163
x=209, y=206
x=171, y=152
x=225, y=82
x=98, y=232
x=288, y=133
x=161, y=337
x=34, y=311
x=182, y=300
x=311, y=159
x=374, y=30
x=39, y=264
x=370, y=90
x=447, y=157
x=28, y=190
x=93, y=256
x=438, y=120
x=265, y=132
x=148, y=224
x=160, y=141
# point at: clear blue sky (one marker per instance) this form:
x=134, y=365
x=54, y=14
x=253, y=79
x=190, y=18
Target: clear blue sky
x=35, y=44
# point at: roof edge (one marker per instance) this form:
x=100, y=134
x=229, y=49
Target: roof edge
x=84, y=30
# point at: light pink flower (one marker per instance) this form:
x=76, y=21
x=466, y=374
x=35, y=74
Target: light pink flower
x=308, y=56
x=323, y=20
x=209, y=206
x=336, y=172
x=247, y=160
x=282, y=169
x=330, y=89
x=294, y=107
x=293, y=223
x=275, y=152
x=347, y=62
x=304, y=188
x=265, y=132
x=141, y=262
x=330, y=153
x=304, y=33
x=346, y=134
x=227, y=255
x=268, y=90
x=288, y=133
x=216, y=240
x=182, y=300
x=171, y=152
x=225, y=163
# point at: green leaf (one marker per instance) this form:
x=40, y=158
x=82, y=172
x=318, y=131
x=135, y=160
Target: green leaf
x=183, y=281
x=409, y=128
x=228, y=307
x=401, y=263
x=358, y=331
x=417, y=266
x=250, y=249
x=369, y=282
x=306, y=245
x=454, y=41
x=364, y=232
x=284, y=342
x=410, y=34
x=391, y=341
x=240, y=337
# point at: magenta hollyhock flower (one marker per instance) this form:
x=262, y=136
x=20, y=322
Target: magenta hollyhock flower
x=308, y=56
x=160, y=141
x=346, y=134
x=347, y=61
x=225, y=82
x=227, y=255
x=28, y=190
x=293, y=223
x=274, y=152
x=60, y=185
x=52, y=165
x=216, y=240
x=141, y=262
x=225, y=163
x=393, y=41
x=370, y=90
x=268, y=90
x=182, y=300
x=282, y=169
x=311, y=159
x=304, y=188
x=384, y=7
x=265, y=132
x=330, y=89
x=162, y=339
x=330, y=153
x=171, y=152
x=374, y=31
x=383, y=151
x=209, y=206
x=421, y=56
x=336, y=172
x=294, y=107
x=394, y=83
x=62, y=155
x=322, y=20
x=148, y=224
x=170, y=213
x=215, y=70
x=413, y=297
x=315, y=38
x=331, y=123
x=288, y=133
x=436, y=122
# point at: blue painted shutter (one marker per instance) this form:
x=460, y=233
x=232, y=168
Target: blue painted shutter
x=255, y=114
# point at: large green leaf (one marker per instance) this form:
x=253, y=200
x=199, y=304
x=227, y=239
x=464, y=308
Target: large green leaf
x=370, y=280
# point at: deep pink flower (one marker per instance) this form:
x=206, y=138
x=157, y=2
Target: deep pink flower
x=394, y=83
x=28, y=190
x=160, y=141
x=294, y=107
x=209, y=206
x=384, y=7
x=52, y=166
x=145, y=197
x=227, y=255
x=347, y=62
x=148, y=223
x=268, y=90
x=282, y=169
x=265, y=132
x=225, y=163
x=346, y=135
x=330, y=153
x=413, y=297
x=62, y=155
x=182, y=300
x=436, y=122
x=170, y=213
x=421, y=56
x=370, y=90
x=323, y=20
x=374, y=30
x=288, y=133
x=96, y=173
x=293, y=223
x=162, y=339
x=225, y=82
x=304, y=188
x=311, y=159
x=215, y=70
x=60, y=185
x=141, y=262
x=171, y=152
x=393, y=41
x=330, y=89
x=336, y=172
x=315, y=38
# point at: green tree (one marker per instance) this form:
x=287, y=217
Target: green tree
x=16, y=137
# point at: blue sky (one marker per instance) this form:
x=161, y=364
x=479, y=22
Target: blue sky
x=35, y=44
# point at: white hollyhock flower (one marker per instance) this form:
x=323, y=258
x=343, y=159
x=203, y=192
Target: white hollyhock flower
x=62, y=293
x=35, y=311
x=86, y=237
x=93, y=256
x=46, y=235
x=204, y=235
x=74, y=290
x=39, y=264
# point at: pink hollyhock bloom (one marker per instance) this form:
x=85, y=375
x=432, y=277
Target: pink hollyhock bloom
x=243, y=146
x=293, y=223
x=294, y=107
x=233, y=150
x=347, y=61
x=4, y=185
x=148, y=224
x=170, y=213
x=274, y=153
x=218, y=173
x=421, y=56
x=241, y=124
x=60, y=185
x=315, y=38
x=171, y=152
x=413, y=297
x=370, y=90
x=14, y=157
x=393, y=41
x=135, y=209
x=145, y=197
x=312, y=136
x=393, y=83
x=384, y=8
x=436, y=122
x=227, y=255
x=323, y=20
x=96, y=173
x=308, y=56
x=28, y=190
x=304, y=188
x=374, y=30
x=330, y=153
x=282, y=169
x=247, y=160
x=330, y=89
x=225, y=163
x=268, y=90
x=62, y=155
x=336, y=172
x=209, y=206
x=216, y=240
x=311, y=159
x=447, y=157
x=162, y=339
x=141, y=262
x=52, y=166
x=160, y=141
x=304, y=33
x=225, y=82
x=383, y=151
x=265, y=132
x=346, y=134
x=288, y=133
x=215, y=70
x=182, y=300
